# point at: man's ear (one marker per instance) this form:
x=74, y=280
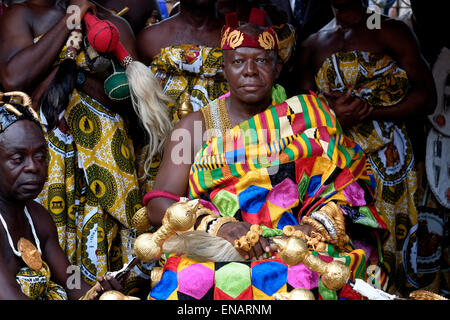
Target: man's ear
x=223, y=71
x=278, y=68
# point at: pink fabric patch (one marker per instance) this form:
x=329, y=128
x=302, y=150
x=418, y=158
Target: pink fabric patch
x=195, y=280
x=355, y=194
x=209, y=205
x=284, y=194
x=300, y=276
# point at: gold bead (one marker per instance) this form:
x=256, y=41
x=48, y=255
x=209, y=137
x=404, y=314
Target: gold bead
x=181, y=215
x=140, y=220
x=146, y=249
x=184, y=109
x=294, y=252
x=296, y=294
x=336, y=275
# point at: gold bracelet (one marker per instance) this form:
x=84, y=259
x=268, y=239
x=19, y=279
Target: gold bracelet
x=203, y=226
x=315, y=224
x=334, y=213
x=290, y=231
x=220, y=223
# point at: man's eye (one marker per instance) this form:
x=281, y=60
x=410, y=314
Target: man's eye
x=17, y=159
x=237, y=61
x=41, y=156
x=261, y=60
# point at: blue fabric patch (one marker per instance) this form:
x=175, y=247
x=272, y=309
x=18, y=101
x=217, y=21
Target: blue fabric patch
x=269, y=277
x=252, y=199
x=287, y=219
x=235, y=156
x=314, y=184
x=164, y=288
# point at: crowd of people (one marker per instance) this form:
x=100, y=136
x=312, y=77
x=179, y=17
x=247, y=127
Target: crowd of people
x=282, y=113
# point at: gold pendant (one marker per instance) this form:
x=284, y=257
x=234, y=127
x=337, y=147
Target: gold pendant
x=30, y=255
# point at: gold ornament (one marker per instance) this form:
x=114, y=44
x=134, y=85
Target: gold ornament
x=335, y=275
x=30, y=255
x=184, y=109
x=140, y=220
x=156, y=275
x=266, y=41
x=224, y=37
x=425, y=295
x=296, y=294
x=294, y=251
x=179, y=217
x=250, y=239
x=116, y=295
x=235, y=39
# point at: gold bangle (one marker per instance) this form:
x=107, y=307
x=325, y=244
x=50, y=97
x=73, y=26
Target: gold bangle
x=334, y=213
x=315, y=224
x=203, y=226
x=220, y=222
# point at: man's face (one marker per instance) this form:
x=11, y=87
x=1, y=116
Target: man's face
x=250, y=73
x=23, y=165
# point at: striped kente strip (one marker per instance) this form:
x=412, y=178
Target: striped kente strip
x=257, y=143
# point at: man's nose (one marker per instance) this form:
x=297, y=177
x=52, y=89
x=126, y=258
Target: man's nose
x=250, y=68
x=31, y=165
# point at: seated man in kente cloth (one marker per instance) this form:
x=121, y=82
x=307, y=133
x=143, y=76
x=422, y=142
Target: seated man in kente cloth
x=375, y=80
x=267, y=165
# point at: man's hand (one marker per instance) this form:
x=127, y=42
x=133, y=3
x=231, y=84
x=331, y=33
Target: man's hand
x=107, y=283
x=349, y=110
x=234, y=230
x=84, y=6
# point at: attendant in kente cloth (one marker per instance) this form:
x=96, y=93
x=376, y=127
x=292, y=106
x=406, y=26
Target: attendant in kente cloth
x=374, y=80
x=92, y=189
x=32, y=264
x=268, y=165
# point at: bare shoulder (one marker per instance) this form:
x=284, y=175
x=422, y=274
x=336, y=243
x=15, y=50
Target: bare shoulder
x=43, y=221
x=396, y=32
x=156, y=36
x=190, y=121
x=18, y=13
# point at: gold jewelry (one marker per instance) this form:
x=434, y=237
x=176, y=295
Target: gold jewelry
x=315, y=224
x=242, y=243
x=224, y=117
x=250, y=239
x=140, y=221
x=220, y=222
x=290, y=231
x=30, y=254
x=334, y=213
x=203, y=226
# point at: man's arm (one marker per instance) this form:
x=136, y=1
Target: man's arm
x=52, y=253
x=173, y=173
x=22, y=62
x=421, y=99
x=305, y=64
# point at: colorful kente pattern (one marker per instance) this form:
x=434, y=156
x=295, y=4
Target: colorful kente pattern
x=282, y=164
x=271, y=170
x=186, y=279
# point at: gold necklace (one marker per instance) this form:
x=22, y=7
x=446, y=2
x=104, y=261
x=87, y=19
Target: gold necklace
x=26, y=249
